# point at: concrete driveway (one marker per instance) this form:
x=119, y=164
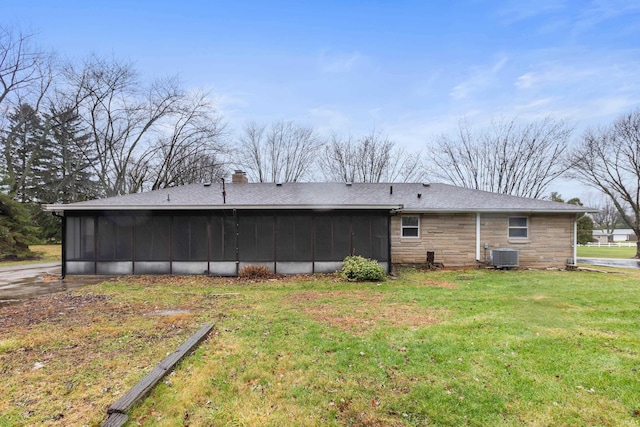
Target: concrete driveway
x=611, y=262
x=18, y=282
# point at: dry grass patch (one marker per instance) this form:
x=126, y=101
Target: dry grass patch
x=65, y=357
x=361, y=312
x=440, y=283
x=48, y=252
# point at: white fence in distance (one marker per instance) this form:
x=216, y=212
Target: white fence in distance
x=611, y=244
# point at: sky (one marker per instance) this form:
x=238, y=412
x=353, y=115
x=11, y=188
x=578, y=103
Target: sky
x=409, y=69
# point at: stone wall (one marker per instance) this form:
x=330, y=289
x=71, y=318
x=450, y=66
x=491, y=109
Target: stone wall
x=452, y=237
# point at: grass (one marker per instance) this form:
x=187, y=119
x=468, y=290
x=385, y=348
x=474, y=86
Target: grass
x=443, y=348
x=606, y=252
x=45, y=253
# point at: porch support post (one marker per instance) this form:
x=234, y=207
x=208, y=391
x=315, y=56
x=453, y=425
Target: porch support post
x=575, y=240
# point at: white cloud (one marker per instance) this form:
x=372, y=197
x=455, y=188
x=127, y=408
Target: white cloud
x=526, y=80
x=341, y=63
x=515, y=10
x=329, y=120
x=535, y=104
x=599, y=11
x=481, y=77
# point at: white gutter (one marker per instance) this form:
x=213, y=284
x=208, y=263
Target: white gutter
x=506, y=210
x=169, y=206
x=477, y=236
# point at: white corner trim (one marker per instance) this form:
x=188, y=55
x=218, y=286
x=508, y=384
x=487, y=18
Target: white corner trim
x=477, y=236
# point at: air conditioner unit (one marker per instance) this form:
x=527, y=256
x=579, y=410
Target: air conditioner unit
x=505, y=258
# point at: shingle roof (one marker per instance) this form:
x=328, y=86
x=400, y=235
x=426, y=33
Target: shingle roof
x=408, y=197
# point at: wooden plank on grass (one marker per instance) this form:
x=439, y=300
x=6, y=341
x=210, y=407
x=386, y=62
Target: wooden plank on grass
x=145, y=385
x=116, y=420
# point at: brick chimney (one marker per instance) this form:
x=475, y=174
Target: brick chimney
x=239, y=177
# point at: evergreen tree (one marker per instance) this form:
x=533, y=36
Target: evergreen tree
x=15, y=229
x=585, y=222
x=27, y=154
x=73, y=181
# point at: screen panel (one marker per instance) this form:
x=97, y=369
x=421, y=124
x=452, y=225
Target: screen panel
x=361, y=226
x=152, y=237
x=256, y=237
x=323, y=238
x=380, y=237
x=341, y=237
x=115, y=238
x=80, y=238
x=223, y=237
x=190, y=238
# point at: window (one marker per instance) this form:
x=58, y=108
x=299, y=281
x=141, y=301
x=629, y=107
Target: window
x=410, y=226
x=518, y=227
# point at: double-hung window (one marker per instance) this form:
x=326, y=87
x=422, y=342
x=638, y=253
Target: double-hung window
x=411, y=226
x=518, y=227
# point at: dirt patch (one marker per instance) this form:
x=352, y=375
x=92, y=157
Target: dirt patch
x=47, y=308
x=368, y=419
x=151, y=280
x=360, y=312
x=440, y=284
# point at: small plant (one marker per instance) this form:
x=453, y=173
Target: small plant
x=359, y=269
x=254, y=272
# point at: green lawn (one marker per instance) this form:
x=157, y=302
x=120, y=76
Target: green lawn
x=606, y=252
x=450, y=348
x=44, y=253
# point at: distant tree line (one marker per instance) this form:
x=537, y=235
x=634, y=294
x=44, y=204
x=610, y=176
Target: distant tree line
x=73, y=131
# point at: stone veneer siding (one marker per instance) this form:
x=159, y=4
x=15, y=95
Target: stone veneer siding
x=452, y=237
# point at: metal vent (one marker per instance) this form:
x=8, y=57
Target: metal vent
x=505, y=258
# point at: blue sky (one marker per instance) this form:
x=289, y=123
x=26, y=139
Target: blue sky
x=412, y=69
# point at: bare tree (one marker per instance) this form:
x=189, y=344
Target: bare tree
x=608, y=159
x=192, y=151
x=607, y=218
x=282, y=152
x=508, y=158
x=122, y=115
x=22, y=65
x=143, y=136
x=371, y=158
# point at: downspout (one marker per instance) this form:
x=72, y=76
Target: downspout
x=389, y=244
x=478, y=236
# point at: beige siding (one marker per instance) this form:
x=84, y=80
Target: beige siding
x=452, y=237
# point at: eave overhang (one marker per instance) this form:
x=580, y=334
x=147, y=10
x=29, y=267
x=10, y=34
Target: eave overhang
x=493, y=210
x=168, y=207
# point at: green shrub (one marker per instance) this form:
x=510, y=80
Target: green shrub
x=359, y=269
x=256, y=272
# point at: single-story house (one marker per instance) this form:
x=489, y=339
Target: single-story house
x=617, y=235
x=218, y=228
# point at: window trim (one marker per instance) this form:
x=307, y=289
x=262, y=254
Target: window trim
x=410, y=227
x=517, y=227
